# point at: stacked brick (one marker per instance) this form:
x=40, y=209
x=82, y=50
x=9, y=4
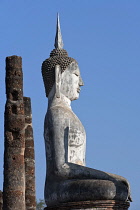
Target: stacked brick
x=29, y=158
x=92, y=205
x=1, y=200
x=14, y=145
x=19, y=164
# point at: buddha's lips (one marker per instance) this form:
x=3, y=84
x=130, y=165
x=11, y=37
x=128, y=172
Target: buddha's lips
x=78, y=90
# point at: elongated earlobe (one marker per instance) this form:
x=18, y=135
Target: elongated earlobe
x=57, y=80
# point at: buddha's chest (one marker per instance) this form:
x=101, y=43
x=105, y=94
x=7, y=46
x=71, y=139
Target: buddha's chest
x=76, y=141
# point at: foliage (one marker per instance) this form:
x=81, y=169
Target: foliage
x=40, y=205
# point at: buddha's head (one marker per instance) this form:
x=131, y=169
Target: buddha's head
x=69, y=73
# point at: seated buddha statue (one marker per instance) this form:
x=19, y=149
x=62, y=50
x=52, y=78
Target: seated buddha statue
x=67, y=177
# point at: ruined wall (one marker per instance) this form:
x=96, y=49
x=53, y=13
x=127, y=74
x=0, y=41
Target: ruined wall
x=14, y=145
x=29, y=158
x=1, y=200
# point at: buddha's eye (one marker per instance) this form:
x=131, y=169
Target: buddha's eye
x=76, y=74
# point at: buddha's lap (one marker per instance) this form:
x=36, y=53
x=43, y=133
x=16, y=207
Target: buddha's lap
x=82, y=190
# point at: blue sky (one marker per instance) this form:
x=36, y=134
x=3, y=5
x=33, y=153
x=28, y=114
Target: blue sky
x=104, y=37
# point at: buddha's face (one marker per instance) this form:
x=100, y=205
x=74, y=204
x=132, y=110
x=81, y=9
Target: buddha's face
x=71, y=82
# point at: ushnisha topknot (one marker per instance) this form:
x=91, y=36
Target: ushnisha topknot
x=58, y=56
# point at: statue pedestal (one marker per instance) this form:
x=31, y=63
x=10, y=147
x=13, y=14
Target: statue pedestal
x=92, y=205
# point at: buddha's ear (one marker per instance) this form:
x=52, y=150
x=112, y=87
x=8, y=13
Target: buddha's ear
x=57, y=80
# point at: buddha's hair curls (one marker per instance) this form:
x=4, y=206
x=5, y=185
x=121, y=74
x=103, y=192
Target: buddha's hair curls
x=57, y=57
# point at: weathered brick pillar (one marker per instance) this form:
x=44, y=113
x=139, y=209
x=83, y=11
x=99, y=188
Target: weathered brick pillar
x=14, y=145
x=30, y=198
x=1, y=200
x=92, y=205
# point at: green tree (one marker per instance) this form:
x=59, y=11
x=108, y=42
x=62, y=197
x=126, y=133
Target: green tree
x=40, y=205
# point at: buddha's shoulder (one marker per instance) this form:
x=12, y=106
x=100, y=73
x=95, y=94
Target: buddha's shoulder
x=60, y=108
x=63, y=115
x=62, y=111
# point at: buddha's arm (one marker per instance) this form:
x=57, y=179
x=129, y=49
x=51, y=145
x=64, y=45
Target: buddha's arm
x=74, y=171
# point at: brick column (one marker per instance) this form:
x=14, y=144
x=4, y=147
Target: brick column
x=1, y=200
x=92, y=205
x=30, y=198
x=14, y=145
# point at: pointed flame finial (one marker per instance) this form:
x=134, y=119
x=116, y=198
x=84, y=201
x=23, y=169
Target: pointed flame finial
x=58, y=38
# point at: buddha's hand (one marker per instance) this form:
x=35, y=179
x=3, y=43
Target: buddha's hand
x=129, y=192
x=124, y=181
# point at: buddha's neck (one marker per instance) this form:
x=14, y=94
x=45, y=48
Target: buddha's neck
x=62, y=101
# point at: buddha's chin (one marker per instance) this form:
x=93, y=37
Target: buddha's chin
x=75, y=97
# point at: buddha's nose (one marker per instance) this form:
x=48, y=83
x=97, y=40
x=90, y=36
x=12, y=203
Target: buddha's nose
x=81, y=83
